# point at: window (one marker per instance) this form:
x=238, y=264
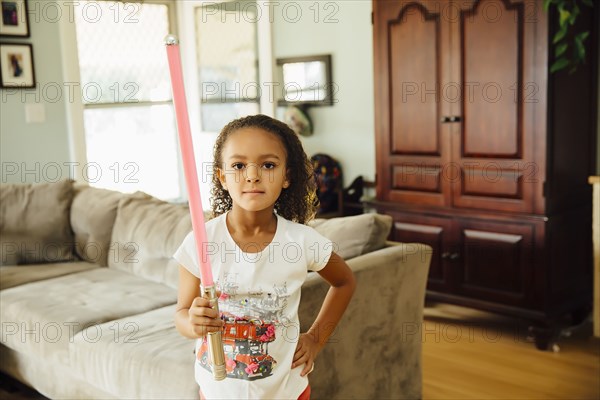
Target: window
x=226, y=47
x=129, y=120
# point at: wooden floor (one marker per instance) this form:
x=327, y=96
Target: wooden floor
x=468, y=354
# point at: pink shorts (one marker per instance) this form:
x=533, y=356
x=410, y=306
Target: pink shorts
x=303, y=396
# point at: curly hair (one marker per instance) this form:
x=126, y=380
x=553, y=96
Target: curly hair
x=296, y=203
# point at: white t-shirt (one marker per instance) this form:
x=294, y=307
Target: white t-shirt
x=259, y=302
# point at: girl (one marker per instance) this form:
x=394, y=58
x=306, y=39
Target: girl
x=260, y=252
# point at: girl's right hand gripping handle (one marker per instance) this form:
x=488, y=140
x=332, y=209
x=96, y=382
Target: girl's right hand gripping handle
x=215, y=339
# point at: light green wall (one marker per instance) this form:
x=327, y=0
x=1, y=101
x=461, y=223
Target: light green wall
x=346, y=129
x=34, y=146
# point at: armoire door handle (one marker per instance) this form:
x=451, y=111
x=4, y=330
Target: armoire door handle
x=450, y=256
x=454, y=118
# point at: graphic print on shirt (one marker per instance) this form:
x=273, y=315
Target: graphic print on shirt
x=250, y=325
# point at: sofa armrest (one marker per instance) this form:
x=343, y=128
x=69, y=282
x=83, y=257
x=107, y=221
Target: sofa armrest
x=375, y=351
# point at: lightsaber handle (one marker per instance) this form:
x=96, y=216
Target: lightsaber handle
x=215, y=339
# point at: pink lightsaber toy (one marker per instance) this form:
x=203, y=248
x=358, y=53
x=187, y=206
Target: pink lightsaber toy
x=208, y=290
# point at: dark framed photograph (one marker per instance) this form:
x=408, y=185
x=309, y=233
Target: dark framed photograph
x=16, y=66
x=14, y=20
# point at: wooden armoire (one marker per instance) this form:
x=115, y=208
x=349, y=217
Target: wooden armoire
x=484, y=154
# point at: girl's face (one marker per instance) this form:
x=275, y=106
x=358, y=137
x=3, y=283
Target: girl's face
x=254, y=168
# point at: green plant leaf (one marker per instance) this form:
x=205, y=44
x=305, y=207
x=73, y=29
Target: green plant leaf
x=547, y=4
x=564, y=17
x=588, y=3
x=582, y=36
x=579, y=50
x=559, y=64
x=560, y=49
x=560, y=35
x=574, y=14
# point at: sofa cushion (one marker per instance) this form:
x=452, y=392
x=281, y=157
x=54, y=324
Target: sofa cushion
x=144, y=357
x=93, y=214
x=15, y=275
x=146, y=234
x=355, y=235
x=34, y=223
x=41, y=318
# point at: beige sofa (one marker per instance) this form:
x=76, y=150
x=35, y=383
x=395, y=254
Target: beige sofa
x=88, y=287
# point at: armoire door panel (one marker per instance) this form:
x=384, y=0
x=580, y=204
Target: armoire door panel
x=492, y=143
x=491, y=64
x=495, y=183
x=412, y=64
x=414, y=75
x=417, y=177
x=433, y=231
x=504, y=249
x=497, y=260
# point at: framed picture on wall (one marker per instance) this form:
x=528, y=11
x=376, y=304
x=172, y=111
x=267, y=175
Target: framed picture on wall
x=16, y=66
x=14, y=20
